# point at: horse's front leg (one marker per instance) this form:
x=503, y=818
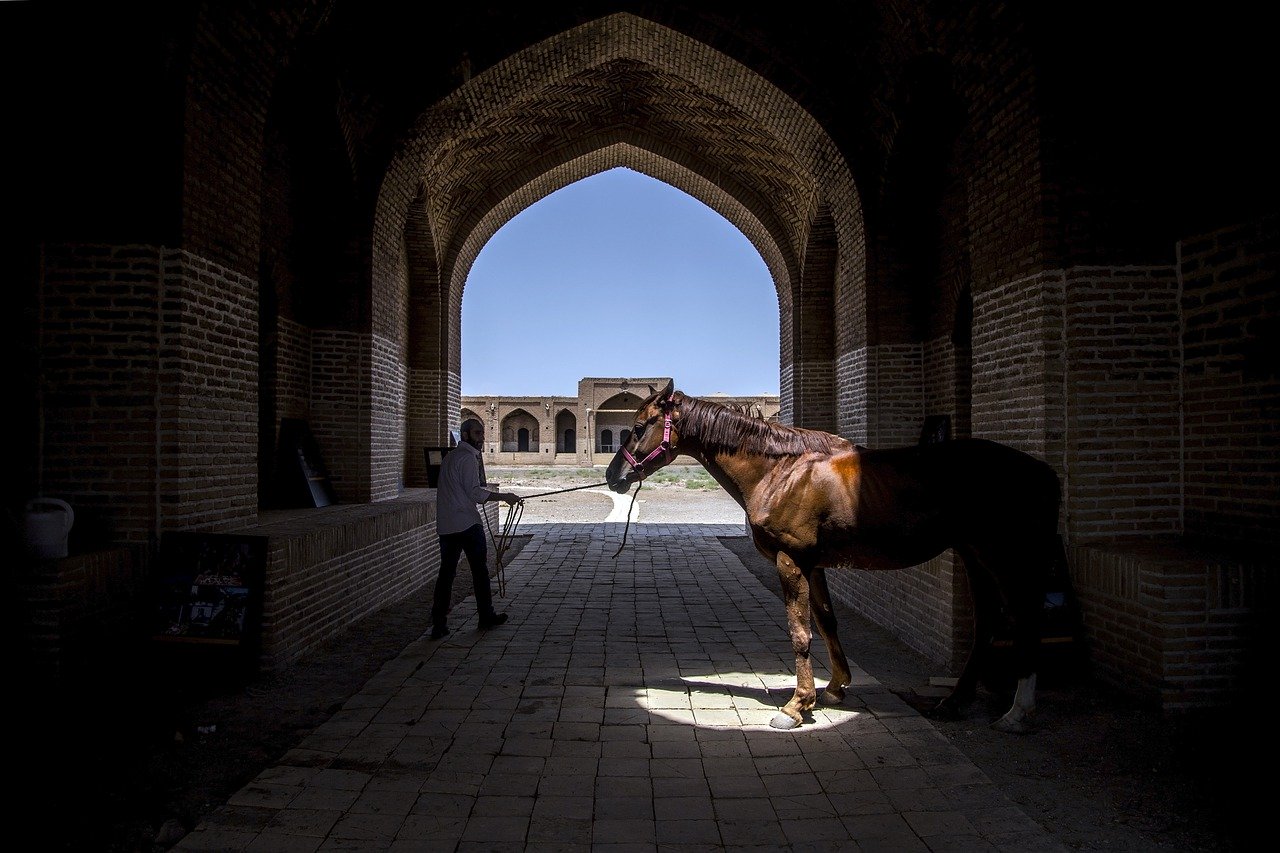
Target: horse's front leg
x=795, y=593
x=825, y=615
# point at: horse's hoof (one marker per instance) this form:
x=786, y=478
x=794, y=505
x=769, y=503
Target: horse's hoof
x=1013, y=725
x=784, y=722
x=831, y=697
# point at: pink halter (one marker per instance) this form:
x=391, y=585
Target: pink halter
x=663, y=449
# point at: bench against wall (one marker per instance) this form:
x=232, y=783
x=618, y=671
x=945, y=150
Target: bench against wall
x=327, y=568
x=1180, y=626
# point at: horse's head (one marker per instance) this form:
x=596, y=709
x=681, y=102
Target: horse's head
x=653, y=442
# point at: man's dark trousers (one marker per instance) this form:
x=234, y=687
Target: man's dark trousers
x=452, y=545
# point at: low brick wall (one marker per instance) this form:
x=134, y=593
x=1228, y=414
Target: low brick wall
x=328, y=568
x=1177, y=626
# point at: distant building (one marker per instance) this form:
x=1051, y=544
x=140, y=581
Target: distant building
x=580, y=431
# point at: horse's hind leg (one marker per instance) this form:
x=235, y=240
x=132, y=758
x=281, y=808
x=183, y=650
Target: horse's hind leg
x=1027, y=605
x=986, y=603
x=1021, y=574
x=824, y=614
x=795, y=594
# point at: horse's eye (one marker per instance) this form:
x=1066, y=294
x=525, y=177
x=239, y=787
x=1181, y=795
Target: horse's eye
x=638, y=432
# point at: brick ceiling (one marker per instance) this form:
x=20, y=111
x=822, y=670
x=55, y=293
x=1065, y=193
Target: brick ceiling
x=620, y=100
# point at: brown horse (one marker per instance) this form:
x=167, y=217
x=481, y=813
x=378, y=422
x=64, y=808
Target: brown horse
x=816, y=501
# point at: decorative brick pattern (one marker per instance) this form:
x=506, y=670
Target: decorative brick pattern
x=674, y=95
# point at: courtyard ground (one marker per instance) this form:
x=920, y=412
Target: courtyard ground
x=141, y=754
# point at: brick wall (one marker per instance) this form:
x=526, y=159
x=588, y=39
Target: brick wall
x=1018, y=365
x=941, y=394
x=927, y=606
x=428, y=345
x=786, y=392
x=149, y=358
x=78, y=612
x=293, y=369
x=813, y=334
x=208, y=428
x=815, y=407
x=322, y=578
x=852, y=395
x=1122, y=463
x=1177, y=626
x=1230, y=303
x=228, y=87
x=99, y=341
x=340, y=409
x=387, y=438
x=895, y=390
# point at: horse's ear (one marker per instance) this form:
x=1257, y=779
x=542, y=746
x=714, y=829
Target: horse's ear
x=677, y=397
x=669, y=390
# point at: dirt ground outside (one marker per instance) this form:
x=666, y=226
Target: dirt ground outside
x=135, y=758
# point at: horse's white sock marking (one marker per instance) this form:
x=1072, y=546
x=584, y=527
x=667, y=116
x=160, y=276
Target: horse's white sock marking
x=1018, y=719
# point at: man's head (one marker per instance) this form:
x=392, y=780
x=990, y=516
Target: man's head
x=473, y=433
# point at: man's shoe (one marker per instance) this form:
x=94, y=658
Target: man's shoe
x=439, y=631
x=492, y=621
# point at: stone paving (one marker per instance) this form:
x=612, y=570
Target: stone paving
x=624, y=707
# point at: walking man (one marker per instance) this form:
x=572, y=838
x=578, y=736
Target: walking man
x=461, y=529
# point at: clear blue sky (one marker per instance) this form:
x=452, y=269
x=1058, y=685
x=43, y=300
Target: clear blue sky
x=619, y=275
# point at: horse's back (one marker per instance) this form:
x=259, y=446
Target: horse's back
x=976, y=479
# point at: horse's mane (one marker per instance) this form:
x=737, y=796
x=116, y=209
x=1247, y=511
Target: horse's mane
x=733, y=429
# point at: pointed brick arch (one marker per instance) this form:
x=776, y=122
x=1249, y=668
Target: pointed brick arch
x=618, y=91
x=566, y=431
x=509, y=439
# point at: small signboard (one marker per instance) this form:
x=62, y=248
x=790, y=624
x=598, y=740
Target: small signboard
x=211, y=589
x=435, y=458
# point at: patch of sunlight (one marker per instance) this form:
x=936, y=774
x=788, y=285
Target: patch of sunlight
x=738, y=700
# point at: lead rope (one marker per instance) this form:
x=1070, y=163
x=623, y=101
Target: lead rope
x=502, y=542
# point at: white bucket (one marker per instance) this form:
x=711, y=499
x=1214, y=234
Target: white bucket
x=47, y=522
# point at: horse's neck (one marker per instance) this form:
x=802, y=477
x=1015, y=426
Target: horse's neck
x=739, y=474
